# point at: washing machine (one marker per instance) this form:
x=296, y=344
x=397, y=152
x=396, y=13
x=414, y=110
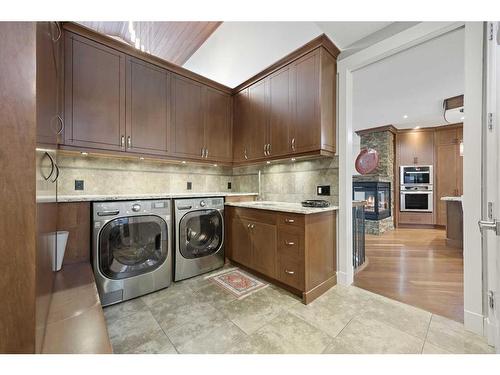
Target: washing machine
x=131, y=251
x=199, y=236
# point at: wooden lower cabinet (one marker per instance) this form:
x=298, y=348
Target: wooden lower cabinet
x=297, y=251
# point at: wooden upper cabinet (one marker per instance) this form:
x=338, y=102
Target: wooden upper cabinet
x=94, y=94
x=258, y=120
x=187, y=117
x=280, y=111
x=291, y=110
x=307, y=125
x=49, y=75
x=147, y=125
x=241, y=126
x=416, y=148
x=217, y=125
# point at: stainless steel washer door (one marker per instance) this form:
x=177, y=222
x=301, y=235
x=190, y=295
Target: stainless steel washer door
x=132, y=246
x=200, y=233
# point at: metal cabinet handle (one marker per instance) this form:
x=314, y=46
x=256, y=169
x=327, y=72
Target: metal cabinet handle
x=57, y=173
x=249, y=225
x=269, y=149
x=107, y=213
x=265, y=149
x=122, y=142
x=61, y=121
x=245, y=154
x=46, y=154
x=289, y=272
x=59, y=33
x=129, y=142
x=289, y=243
x=206, y=153
x=293, y=144
x=289, y=221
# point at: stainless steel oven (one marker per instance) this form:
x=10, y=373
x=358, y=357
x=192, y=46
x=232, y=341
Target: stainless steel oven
x=415, y=175
x=416, y=198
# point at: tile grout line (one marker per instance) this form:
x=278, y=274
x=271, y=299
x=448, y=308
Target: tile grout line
x=165, y=333
x=426, y=333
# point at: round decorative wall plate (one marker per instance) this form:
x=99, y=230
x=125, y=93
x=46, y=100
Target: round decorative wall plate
x=367, y=161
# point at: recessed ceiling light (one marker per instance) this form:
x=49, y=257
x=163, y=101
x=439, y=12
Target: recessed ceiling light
x=405, y=116
x=416, y=127
x=84, y=153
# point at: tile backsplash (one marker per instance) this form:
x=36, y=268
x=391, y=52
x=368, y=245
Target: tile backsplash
x=280, y=181
x=290, y=181
x=104, y=175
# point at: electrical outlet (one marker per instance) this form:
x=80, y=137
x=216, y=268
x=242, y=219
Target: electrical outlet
x=323, y=190
x=79, y=185
x=189, y=185
x=229, y=185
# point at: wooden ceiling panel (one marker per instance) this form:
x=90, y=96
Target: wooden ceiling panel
x=172, y=41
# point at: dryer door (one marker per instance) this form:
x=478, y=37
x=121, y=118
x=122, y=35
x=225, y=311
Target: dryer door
x=131, y=246
x=200, y=233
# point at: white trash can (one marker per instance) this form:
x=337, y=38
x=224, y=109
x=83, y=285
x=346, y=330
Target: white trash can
x=59, y=250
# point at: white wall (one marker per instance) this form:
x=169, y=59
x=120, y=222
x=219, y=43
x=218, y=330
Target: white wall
x=413, y=82
x=238, y=50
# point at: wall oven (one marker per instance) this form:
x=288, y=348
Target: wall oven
x=416, y=199
x=416, y=175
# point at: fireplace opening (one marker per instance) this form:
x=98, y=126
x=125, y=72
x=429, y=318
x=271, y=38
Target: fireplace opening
x=377, y=196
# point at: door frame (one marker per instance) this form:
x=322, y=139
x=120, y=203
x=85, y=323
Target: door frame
x=413, y=36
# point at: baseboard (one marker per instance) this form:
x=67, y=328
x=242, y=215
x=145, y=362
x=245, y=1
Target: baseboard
x=490, y=329
x=344, y=279
x=311, y=295
x=474, y=322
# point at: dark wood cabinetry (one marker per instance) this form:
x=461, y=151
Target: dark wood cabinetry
x=298, y=251
x=218, y=125
x=147, y=108
x=94, y=94
x=187, y=118
x=289, y=110
x=439, y=147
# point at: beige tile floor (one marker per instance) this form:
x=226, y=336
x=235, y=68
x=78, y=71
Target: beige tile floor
x=196, y=316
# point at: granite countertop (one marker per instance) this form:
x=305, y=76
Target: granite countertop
x=115, y=197
x=282, y=207
x=452, y=199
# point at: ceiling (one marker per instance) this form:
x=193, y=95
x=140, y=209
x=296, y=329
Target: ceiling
x=171, y=41
x=412, y=83
x=238, y=50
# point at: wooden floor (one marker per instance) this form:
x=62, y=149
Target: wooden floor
x=416, y=267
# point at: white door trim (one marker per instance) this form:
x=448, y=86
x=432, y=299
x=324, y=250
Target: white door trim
x=408, y=38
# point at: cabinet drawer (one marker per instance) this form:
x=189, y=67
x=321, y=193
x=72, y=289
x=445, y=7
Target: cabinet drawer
x=291, y=271
x=290, y=220
x=291, y=244
x=415, y=218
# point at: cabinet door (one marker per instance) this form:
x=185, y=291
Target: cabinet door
x=280, y=112
x=446, y=137
x=48, y=124
x=241, y=126
x=258, y=120
x=241, y=244
x=416, y=148
x=94, y=94
x=306, y=124
x=446, y=184
x=218, y=128
x=147, y=108
x=187, y=118
x=264, y=238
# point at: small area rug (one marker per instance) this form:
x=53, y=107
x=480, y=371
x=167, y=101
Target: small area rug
x=240, y=284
